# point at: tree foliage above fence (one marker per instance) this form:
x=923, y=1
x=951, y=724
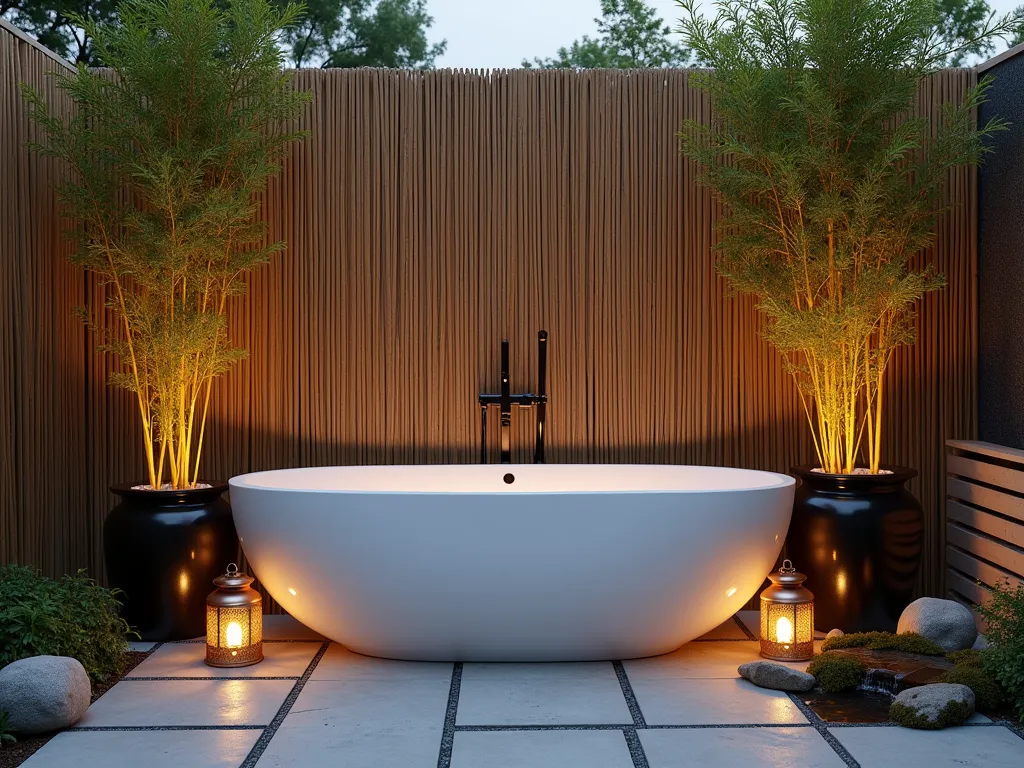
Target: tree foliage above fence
x=168, y=151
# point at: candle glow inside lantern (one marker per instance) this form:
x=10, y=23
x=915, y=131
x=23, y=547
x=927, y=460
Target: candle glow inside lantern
x=234, y=621
x=787, y=616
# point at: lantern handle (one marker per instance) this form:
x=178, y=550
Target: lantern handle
x=233, y=569
x=787, y=567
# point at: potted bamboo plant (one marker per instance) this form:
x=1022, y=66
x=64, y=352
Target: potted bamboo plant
x=168, y=150
x=832, y=187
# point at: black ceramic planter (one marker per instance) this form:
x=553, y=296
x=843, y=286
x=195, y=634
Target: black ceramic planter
x=163, y=549
x=859, y=540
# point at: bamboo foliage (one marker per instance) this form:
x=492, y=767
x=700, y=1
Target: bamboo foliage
x=168, y=151
x=832, y=188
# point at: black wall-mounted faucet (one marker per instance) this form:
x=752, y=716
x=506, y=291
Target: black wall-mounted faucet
x=505, y=400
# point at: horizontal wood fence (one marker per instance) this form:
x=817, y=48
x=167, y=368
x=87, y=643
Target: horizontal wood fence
x=429, y=215
x=985, y=523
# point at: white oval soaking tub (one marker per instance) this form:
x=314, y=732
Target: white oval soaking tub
x=564, y=563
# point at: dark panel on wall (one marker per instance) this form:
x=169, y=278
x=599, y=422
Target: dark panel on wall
x=1001, y=264
x=428, y=215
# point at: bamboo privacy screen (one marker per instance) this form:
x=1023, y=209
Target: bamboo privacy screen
x=427, y=216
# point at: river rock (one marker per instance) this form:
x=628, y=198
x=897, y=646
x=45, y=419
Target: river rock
x=778, y=677
x=980, y=644
x=944, y=622
x=834, y=633
x=934, y=706
x=42, y=694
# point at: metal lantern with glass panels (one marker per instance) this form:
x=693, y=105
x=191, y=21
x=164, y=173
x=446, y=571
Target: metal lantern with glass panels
x=234, y=621
x=787, y=616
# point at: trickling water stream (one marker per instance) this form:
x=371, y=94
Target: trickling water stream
x=883, y=681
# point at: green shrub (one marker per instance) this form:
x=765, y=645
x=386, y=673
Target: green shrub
x=988, y=694
x=70, y=617
x=1004, y=658
x=954, y=713
x=6, y=737
x=837, y=672
x=968, y=657
x=907, y=642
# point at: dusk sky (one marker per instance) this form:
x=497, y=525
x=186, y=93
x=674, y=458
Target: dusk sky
x=500, y=33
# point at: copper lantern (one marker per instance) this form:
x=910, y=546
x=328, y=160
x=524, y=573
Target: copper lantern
x=787, y=616
x=234, y=621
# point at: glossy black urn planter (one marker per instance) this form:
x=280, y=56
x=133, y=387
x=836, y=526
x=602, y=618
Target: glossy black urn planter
x=859, y=540
x=163, y=549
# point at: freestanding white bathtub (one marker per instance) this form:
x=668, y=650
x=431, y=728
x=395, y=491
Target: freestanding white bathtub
x=512, y=562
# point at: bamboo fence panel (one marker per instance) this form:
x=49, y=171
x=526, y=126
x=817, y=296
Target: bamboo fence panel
x=428, y=215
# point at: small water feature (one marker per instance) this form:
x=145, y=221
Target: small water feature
x=889, y=673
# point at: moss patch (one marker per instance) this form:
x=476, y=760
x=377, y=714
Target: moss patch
x=968, y=658
x=988, y=693
x=837, y=672
x=954, y=713
x=907, y=642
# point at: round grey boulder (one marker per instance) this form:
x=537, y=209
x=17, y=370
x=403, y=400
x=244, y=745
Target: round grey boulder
x=934, y=706
x=778, y=677
x=42, y=694
x=834, y=633
x=944, y=622
x=980, y=644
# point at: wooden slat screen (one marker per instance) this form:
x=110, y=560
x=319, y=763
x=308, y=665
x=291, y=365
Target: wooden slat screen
x=985, y=520
x=428, y=215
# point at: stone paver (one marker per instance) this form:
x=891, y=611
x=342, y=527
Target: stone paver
x=351, y=711
x=541, y=694
x=152, y=749
x=965, y=747
x=540, y=749
x=188, y=660
x=188, y=703
x=753, y=747
x=362, y=724
x=686, y=701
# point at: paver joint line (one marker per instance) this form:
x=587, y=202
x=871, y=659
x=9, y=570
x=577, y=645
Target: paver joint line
x=268, y=733
x=201, y=678
x=93, y=728
x=636, y=749
x=629, y=695
x=744, y=627
x=444, y=756
x=1015, y=727
x=822, y=728
x=621, y=726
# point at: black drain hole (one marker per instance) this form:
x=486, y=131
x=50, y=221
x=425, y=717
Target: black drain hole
x=509, y=478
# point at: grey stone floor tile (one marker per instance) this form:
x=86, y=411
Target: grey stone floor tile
x=697, y=660
x=188, y=660
x=729, y=630
x=189, y=702
x=540, y=749
x=689, y=701
x=284, y=627
x=362, y=724
x=752, y=621
x=339, y=663
x=705, y=659
x=145, y=646
x=969, y=747
x=586, y=693
x=738, y=748
x=153, y=749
